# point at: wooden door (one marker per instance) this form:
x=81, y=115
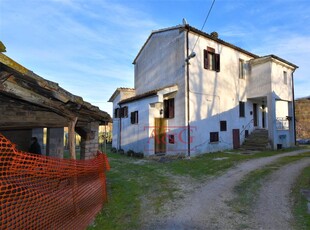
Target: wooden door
x=236, y=138
x=160, y=135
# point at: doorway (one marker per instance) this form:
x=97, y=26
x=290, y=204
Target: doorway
x=263, y=116
x=160, y=135
x=236, y=138
x=255, y=115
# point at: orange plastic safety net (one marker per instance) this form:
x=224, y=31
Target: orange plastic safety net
x=39, y=192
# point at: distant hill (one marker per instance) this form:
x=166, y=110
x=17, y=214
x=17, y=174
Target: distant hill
x=302, y=112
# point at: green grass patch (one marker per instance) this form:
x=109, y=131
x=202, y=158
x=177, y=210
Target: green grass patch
x=131, y=181
x=300, y=208
x=128, y=182
x=211, y=164
x=248, y=189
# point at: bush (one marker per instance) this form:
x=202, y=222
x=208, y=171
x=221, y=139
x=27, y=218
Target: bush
x=131, y=153
x=121, y=151
x=113, y=150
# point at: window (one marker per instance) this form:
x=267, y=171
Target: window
x=116, y=113
x=171, y=139
x=214, y=136
x=134, y=117
x=211, y=60
x=241, y=109
x=124, y=112
x=169, y=108
x=285, y=77
x=241, y=69
x=223, y=125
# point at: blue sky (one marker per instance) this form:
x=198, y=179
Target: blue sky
x=88, y=46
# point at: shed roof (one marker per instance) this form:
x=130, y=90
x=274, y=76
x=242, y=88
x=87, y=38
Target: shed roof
x=22, y=86
x=275, y=58
x=146, y=94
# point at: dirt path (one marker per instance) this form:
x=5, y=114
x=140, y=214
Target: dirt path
x=206, y=207
x=273, y=209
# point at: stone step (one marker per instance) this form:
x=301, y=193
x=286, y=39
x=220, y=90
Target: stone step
x=257, y=140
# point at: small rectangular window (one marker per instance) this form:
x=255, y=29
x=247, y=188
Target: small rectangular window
x=223, y=125
x=241, y=109
x=169, y=108
x=134, y=117
x=214, y=136
x=285, y=77
x=116, y=113
x=241, y=69
x=211, y=60
x=171, y=139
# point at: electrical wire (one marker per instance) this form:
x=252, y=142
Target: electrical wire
x=204, y=24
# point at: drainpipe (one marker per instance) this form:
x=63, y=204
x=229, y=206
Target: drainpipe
x=294, y=120
x=188, y=112
x=120, y=127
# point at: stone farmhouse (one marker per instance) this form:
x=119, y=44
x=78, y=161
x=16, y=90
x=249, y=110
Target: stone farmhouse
x=195, y=93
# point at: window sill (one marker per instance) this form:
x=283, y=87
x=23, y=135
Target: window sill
x=214, y=142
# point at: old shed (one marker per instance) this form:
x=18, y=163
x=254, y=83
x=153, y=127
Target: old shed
x=30, y=103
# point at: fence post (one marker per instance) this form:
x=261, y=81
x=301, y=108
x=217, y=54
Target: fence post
x=71, y=137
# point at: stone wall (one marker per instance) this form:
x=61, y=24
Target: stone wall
x=55, y=142
x=89, y=141
x=302, y=112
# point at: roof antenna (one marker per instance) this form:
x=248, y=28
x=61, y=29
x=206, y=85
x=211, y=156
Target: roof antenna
x=184, y=22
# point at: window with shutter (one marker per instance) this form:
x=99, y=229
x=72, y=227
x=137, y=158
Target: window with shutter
x=124, y=112
x=241, y=109
x=116, y=113
x=285, y=77
x=134, y=117
x=169, y=108
x=241, y=69
x=211, y=59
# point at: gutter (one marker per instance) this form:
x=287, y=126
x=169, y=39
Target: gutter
x=294, y=120
x=120, y=128
x=188, y=106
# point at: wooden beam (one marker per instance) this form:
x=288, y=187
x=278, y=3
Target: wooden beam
x=10, y=87
x=4, y=76
x=71, y=137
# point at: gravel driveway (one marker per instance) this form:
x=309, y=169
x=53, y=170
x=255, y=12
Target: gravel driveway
x=206, y=207
x=273, y=209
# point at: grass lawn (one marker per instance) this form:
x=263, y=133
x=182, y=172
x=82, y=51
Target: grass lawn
x=131, y=181
x=300, y=209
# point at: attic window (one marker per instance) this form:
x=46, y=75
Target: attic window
x=211, y=59
x=285, y=77
x=241, y=69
